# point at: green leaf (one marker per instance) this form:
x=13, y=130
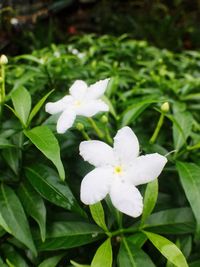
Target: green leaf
x=168, y=249
x=12, y=256
x=52, y=261
x=47, y=183
x=34, y=206
x=172, y=221
x=43, y=138
x=5, y=143
x=75, y=264
x=184, y=120
x=150, y=198
x=38, y=106
x=103, y=255
x=135, y=110
x=189, y=174
x=11, y=156
x=11, y=211
x=22, y=103
x=98, y=215
x=132, y=256
x=64, y=235
x=195, y=263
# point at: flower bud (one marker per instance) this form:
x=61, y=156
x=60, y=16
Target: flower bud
x=165, y=107
x=3, y=60
x=79, y=126
x=104, y=119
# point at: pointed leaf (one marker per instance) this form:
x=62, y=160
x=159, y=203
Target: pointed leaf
x=13, y=214
x=98, y=215
x=47, y=183
x=168, y=249
x=38, y=106
x=132, y=256
x=22, y=103
x=150, y=198
x=189, y=174
x=64, y=235
x=34, y=206
x=53, y=261
x=43, y=138
x=103, y=255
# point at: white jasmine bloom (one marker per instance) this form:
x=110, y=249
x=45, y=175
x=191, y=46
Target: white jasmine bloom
x=83, y=100
x=118, y=171
x=14, y=21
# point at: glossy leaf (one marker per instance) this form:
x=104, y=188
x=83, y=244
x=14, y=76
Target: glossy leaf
x=189, y=174
x=132, y=256
x=184, y=119
x=43, y=138
x=103, y=255
x=12, y=256
x=34, y=206
x=38, y=106
x=64, y=235
x=52, y=261
x=47, y=183
x=12, y=213
x=150, y=198
x=22, y=103
x=168, y=249
x=98, y=215
x=75, y=264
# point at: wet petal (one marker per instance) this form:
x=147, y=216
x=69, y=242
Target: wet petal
x=91, y=108
x=78, y=89
x=126, y=198
x=59, y=105
x=126, y=146
x=97, y=89
x=65, y=121
x=146, y=168
x=97, y=153
x=96, y=185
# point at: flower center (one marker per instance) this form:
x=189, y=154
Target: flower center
x=77, y=103
x=118, y=169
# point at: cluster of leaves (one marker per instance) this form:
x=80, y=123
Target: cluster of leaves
x=42, y=220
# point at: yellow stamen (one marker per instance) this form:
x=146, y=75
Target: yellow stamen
x=77, y=103
x=118, y=170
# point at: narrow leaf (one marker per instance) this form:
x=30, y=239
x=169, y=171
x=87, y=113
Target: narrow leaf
x=150, y=198
x=52, y=261
x=98, y=215
x=13, y=214
x=189, y=174
x=43, y=138
x=34, y=206
x=168, y=249
x=22, y=103
x=103, y=255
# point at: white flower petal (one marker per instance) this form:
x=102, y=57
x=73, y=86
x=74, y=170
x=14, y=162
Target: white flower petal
x=96, y=185
x=146, y=168
x=59, y=105
x=65, y=121
x=126, y=146
x=91, y=108
x=97, y=153
x=97, y=89
x=126, y=198
x=78, y=89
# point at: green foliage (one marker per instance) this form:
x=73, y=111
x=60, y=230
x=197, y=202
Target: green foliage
x=42, y=222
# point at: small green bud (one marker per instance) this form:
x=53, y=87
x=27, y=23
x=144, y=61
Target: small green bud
x=165, y=107
x=3, y=60
x=104, y=119
x=79, y=126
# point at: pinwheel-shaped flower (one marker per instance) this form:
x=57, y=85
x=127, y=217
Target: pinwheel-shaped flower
x=83, y=100
x=118, y=171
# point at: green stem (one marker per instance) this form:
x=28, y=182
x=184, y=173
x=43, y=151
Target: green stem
x=157, y=130
x=85, y=135
x=2, y=91
x=123, y=231
x=108, y=137
x=95, y=127
x=128, y=252
x=197, y=146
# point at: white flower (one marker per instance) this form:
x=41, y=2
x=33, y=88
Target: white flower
x=118, y=171
x=83, y=100
x=14, y=21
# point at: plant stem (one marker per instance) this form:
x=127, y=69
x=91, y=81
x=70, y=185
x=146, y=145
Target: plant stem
x=95, y=127
x=85, y=135
x=157, y=130
x=108, y=137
